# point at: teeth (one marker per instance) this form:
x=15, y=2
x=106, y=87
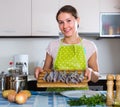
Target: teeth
x=66, y=31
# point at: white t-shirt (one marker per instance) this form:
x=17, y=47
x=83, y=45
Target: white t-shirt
x=88, y=45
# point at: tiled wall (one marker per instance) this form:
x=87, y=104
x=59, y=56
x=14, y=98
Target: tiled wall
x=108, y=52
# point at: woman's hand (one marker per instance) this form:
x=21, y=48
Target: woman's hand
x=37, y=71
x=91, y=75
x=88, y=73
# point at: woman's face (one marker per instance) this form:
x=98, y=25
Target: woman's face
x=67, y=24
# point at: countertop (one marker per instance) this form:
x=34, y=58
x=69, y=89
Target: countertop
x=102, y=77
x=40, y=99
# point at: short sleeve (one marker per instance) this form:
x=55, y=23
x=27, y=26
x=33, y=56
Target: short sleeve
x=52, y=48
x=90, y=47
x=49, y=49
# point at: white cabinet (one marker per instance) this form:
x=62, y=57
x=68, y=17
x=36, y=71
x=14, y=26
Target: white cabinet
x=44, y=18
x=109, y=5
x=15, y=17
x=89, y=14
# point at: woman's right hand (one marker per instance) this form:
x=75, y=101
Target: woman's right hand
x=37, y=71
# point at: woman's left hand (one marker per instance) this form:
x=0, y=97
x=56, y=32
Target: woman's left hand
x=88, y=73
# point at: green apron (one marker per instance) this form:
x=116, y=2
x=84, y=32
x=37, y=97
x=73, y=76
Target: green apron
x=69, y=57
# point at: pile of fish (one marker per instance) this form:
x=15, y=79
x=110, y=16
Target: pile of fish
x=57, y=76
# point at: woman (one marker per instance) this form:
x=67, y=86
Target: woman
x=71, y=52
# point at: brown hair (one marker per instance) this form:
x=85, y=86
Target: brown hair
x=69, y=9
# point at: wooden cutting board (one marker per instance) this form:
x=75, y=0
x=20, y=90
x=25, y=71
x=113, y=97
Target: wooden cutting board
x=42, y=83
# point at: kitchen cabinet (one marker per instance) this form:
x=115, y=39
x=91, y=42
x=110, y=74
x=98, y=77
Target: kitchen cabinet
x=38, y=18
x=89, y=14
x=109, y=5
x=15, y=17
x=44, y=18
x=110, y=24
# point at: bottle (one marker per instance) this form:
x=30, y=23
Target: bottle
x=110, y=91
x=111, y=32
x=117, y=97
x=11, y=68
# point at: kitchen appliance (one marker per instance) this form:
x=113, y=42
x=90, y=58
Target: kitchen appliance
x=2, y=81
x=21, y=62
x=15, y=81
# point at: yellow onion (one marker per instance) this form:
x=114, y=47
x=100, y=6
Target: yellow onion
x=11, y=96
x=5, y=93
x=21, y=98
x=27, y=92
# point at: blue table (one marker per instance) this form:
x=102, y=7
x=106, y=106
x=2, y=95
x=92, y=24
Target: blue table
x=40, y=99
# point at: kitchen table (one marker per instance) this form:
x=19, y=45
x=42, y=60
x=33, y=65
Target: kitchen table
x=40, y=99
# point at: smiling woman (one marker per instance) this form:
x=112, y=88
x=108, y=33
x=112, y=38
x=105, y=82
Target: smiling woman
x=71, y=52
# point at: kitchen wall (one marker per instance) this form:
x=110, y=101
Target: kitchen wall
x=108, y=55
x=34, y=47
x=108, y=52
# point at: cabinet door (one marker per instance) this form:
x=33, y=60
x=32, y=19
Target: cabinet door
x=15, y=17
x=88, y=11
x=44, y=18
x=109, y=5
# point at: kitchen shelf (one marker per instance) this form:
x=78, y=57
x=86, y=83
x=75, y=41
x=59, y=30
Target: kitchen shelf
x=86, y=35
x=96, y=35
x=29, y=36
x=98, y=38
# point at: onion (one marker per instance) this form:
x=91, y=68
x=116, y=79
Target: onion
x=21, y=98
x=5, y=93
x=11, y=97
x=27, y=92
